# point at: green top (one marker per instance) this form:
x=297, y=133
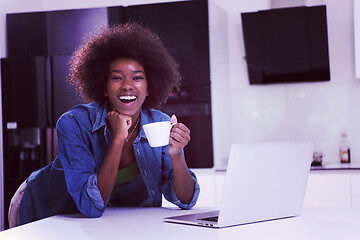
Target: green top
x=125, y=175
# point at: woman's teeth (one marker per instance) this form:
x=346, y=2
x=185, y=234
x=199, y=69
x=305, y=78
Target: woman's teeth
x=127, y=99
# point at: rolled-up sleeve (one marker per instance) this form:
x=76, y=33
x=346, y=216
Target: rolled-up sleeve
x=79, y=167
x=175, y=199
x=93, y=192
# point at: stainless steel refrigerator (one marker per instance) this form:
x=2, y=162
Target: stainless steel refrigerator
x=35, y=94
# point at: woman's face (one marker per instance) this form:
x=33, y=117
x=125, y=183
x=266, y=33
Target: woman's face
x=126, y=86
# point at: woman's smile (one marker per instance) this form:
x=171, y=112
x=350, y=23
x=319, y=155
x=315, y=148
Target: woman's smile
x=127, y=99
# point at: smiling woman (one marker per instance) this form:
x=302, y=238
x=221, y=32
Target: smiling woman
x=127, y=86
x=104, y=158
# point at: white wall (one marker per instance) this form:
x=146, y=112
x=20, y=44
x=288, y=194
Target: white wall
x=357, y=36
x=227, y=68
x=316, y=111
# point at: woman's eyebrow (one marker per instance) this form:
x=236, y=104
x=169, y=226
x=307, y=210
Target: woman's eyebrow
x=116, y=71
x=120, y=71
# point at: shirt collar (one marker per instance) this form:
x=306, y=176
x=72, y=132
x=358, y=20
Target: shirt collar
x=101, y=116
x=143, y=120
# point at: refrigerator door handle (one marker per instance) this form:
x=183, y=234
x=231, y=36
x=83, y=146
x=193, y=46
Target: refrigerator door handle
x=48, y=91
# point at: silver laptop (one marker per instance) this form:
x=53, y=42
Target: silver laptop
x=264, y=181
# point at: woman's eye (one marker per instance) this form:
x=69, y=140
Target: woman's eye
x=116, y=78
x=138, y=78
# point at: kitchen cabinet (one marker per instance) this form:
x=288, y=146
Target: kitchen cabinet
x=328, y=189
x=325, y=188
x=355, y=189
x=211, y=186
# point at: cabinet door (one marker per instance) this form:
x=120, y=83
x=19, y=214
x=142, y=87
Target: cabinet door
x=184, y=28
x=26, y=34
x=64, y=95
x=52, y=32
x=355, y=190
x=67, y=29
x=23, y=91
x=210, y=186
x=328, y=190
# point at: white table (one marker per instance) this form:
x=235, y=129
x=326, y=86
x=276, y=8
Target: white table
x=146, y=223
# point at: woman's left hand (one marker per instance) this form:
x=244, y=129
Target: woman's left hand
x=179, y=137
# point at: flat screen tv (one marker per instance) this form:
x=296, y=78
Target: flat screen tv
x=286, y=45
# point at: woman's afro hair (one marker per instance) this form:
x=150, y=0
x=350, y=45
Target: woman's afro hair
x=90, y=62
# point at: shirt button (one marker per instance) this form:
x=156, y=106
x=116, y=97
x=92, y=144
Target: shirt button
x=153, y=192
x=145, y=172
x=138, y=151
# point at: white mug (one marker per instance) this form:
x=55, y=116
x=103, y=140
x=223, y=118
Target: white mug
x=158, y=133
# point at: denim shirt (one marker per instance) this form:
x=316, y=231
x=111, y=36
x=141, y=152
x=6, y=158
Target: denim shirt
x=69, y=183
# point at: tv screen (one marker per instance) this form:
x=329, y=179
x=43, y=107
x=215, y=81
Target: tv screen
x=286, y=45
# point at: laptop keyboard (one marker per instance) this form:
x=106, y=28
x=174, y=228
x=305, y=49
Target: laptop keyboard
x=211, y=219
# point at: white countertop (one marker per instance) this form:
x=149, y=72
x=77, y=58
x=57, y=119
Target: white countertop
x=338, y=166
x=147, y=223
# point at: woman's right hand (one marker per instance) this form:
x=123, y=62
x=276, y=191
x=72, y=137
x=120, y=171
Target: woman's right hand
x=119, y=125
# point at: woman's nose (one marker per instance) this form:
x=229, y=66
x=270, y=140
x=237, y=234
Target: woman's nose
x=127, y=83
